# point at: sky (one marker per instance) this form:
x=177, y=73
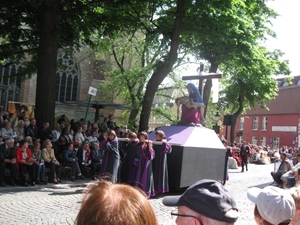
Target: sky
x=287, y=29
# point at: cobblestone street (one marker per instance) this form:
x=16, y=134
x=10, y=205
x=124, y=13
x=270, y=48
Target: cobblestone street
x=59, y=204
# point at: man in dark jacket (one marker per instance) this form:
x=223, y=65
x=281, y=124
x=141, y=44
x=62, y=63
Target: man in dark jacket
x=32, y=130
x=245, y=151
x=8, y=160
x=84, y=158
x=69, y=159
x=96, y=158
x=45, y=133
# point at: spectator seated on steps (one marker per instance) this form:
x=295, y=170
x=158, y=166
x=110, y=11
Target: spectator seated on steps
x=84, y=158
x=69, y=159
x=283, y=168
x=232, y=163
x=293, y=172
x=263, y=158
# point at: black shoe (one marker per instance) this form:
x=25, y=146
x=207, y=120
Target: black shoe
x=2, y=184
x=38, y=182
x=72, y=179
x=81, y=177
x=33, y=183
x=242, y=171
x=44, y=182
x=12, y=183
x=25, y=185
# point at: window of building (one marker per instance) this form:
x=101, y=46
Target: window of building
x=255, y=123
x=298, y=83
x=285, y=84
x=241, y=124
x=263, y=141
x=264, y=123
x=12, y=92
x=276, y=142
x=67, y=79
x=254, y=140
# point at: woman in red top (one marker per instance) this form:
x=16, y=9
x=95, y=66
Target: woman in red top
x=26, y=163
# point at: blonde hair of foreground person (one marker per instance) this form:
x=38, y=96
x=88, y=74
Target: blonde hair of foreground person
x=106, y=203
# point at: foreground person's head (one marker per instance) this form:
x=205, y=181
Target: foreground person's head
x=273, y=205
x=106, y=203
x=206, y=202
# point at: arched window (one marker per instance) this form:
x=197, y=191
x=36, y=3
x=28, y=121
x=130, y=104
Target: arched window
x=12, y=92
x=67, y=77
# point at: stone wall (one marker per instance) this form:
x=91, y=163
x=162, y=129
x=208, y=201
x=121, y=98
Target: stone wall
x=87, y=78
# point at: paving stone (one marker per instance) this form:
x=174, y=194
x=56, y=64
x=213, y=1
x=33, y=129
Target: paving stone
x=59, y=204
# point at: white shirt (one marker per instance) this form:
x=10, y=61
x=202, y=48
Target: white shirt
x=56, y=135
x=79, y=137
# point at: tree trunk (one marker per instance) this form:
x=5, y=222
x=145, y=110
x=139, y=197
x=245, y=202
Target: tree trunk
x=208, y=85
x=241, y=100
x=232, y=128
x=46, y=63
x=162, y=68
x=133, y=117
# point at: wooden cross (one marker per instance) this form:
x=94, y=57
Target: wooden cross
x=201, y=77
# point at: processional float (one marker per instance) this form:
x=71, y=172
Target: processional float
x=197, y=152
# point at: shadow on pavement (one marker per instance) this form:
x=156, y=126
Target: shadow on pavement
x=68, y=192
x=50, y=187
x=262, y=185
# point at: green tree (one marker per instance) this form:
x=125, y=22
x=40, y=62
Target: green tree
x=248, y=81
x=145, y=55
x=33, y=31
x=225, y=29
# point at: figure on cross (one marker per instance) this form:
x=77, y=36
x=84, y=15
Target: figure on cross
x=192, y=109
x=193, y=105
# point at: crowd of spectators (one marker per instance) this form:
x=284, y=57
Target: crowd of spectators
x=37, y=155
x=27, y=150
x=261, y=154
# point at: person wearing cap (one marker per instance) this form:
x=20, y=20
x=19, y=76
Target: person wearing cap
x=273, y=205
x=206, y=202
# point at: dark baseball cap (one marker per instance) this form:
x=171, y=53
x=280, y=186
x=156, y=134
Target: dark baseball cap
x=208, y=198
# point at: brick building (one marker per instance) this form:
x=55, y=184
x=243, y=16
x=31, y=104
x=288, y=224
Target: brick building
x=279, y=126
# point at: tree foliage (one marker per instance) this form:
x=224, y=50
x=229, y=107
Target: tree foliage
x=248, y=81
x=146, y=39
x=33, y=31
x=225, y=29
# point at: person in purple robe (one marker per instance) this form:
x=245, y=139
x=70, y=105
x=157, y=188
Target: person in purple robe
x=130, y=147
x=111, y=157
x=160, y=164
x=141, y=174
